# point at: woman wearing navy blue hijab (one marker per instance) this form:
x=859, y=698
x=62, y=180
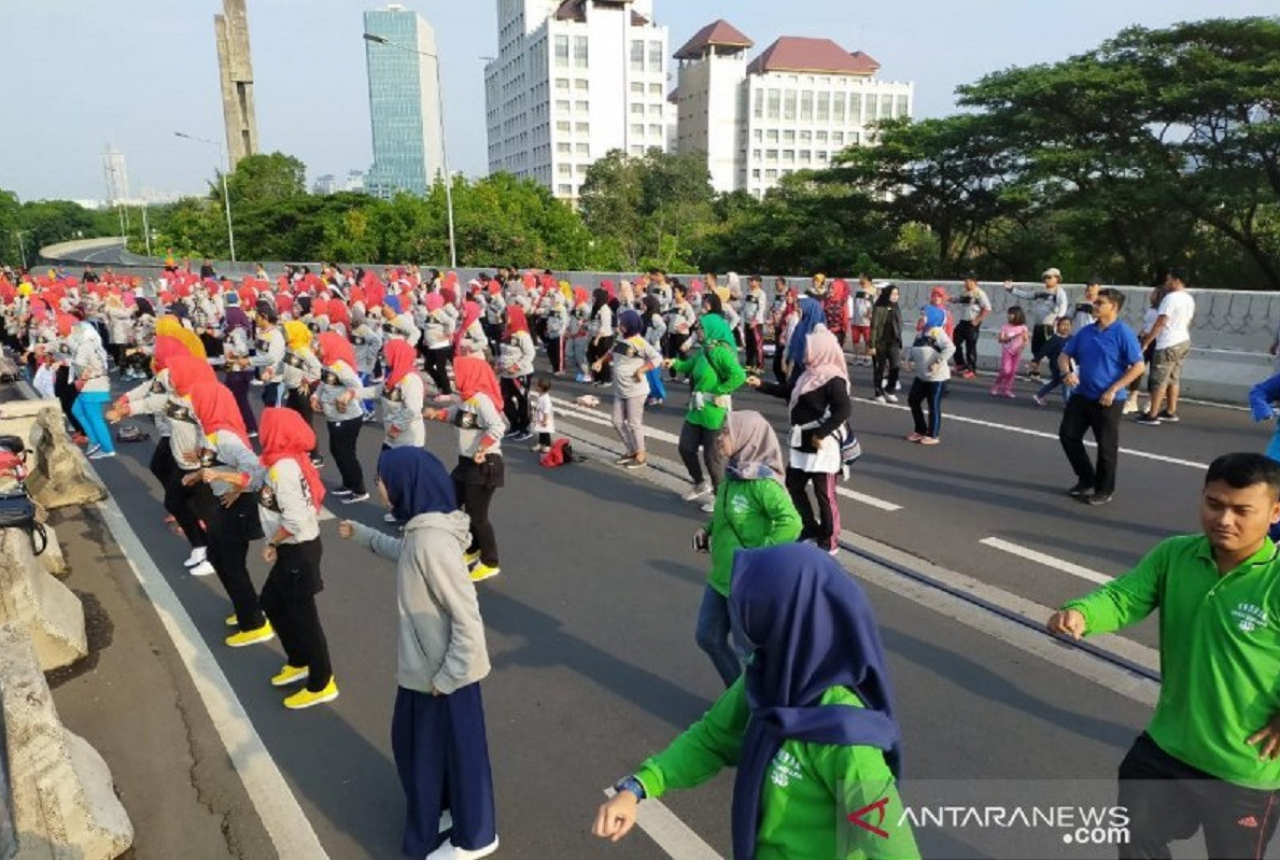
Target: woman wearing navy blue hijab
x=437, y=731
x=810, y=725
x=812, y=315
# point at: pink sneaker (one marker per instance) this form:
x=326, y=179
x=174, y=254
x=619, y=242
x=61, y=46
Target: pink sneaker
x=915, y=437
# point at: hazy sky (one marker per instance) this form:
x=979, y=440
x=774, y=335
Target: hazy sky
x=83, y=73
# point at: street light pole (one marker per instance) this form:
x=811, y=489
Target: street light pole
x=22, y=251
x=226, y=195
x=444, y=150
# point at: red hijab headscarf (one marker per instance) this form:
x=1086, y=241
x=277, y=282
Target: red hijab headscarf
x=216, y=409
x=470, y=313
x=400, y=360
x=187, y=371
x=516, y=321
x=166, y=349
x=338, y=314
x=285, y=436
x=475, y=376
x=334, y=348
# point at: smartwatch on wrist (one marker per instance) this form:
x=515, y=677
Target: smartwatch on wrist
x=631, y=784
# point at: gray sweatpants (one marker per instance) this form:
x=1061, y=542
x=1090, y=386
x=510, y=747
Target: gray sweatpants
x=628, y=420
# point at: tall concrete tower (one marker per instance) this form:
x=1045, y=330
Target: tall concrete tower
x=236, y=70
x=116, y=175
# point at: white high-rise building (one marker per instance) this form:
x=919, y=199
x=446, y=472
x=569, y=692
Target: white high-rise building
x=794, y=107
x=575, y=79
x=116, y=175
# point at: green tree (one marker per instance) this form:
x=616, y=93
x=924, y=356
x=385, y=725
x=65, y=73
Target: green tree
x=653, y=210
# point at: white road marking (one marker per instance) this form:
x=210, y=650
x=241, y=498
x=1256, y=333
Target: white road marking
x=672, y=835
x=1046, y=560
x=1013, y=428
x=571, y=410
x=868, y=500
x=274, y=801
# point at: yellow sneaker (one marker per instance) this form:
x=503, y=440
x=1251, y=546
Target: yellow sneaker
x=306, y=698
x=232, y=620
x=471, y=557
x=252, y=637
x=482, y=571
x=290, y=675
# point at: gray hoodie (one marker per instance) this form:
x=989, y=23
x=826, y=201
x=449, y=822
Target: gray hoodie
x=932, y=353
x=442, y=642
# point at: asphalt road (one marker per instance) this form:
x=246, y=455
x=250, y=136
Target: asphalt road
x=591, y=623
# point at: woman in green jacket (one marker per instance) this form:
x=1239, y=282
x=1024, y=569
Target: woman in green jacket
x=714, y=374
x=810, y=726
x=752, y=509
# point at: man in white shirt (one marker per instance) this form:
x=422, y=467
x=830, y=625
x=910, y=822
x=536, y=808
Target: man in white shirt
x=1171, y=335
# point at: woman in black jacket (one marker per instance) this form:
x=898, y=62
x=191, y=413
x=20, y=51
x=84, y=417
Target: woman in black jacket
x=886, y=343
x=820, y=410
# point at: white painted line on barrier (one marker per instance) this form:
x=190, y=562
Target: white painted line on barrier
x=1013, y=428
x=673, y=836
x=572, y=410
x=282, y=816
x=1046, y=560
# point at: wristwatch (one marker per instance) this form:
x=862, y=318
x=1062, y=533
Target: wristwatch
x=631, y=784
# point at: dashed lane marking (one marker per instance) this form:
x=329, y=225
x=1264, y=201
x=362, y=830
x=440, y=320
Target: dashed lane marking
x=1047, y=560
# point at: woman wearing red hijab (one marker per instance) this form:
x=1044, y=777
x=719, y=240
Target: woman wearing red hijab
x=339, y=398
x=480, y=470
x=231, y=470
x=515, y=366
x=403, y=394
x=288, y=507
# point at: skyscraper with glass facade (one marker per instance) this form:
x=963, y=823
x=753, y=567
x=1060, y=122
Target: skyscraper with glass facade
x=404, y=102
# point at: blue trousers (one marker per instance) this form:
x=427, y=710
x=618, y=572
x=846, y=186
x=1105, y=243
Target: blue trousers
x=719, y=637
x=442, y=756
x=88, y=411
x=657, y=390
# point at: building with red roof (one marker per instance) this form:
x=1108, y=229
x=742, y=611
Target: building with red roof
x=793, y=107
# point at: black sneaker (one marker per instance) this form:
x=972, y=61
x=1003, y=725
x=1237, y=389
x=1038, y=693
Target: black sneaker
x=1097, y=499
x=1168, y=417
x=1147, y=420
x=1080, y=490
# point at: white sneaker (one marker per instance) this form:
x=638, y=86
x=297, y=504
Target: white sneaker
x=446, y=822
x=102, y=455
x=389, y=518
x=708, y=507
x=204, y=568
x=198, y=554
x=91, y=450
x=449, y=851
x=880, y=398
x=697, y=492
x=892, y=398
x=1131, y=406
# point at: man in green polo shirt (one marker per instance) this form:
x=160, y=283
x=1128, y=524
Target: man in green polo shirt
x=1210, y=757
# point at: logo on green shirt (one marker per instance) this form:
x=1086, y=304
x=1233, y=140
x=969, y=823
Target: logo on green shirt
x=1249, y=617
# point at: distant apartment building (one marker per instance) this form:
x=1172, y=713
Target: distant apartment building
x=331, y=183
x=573, y=80
x=404, y=102
x=794, y=107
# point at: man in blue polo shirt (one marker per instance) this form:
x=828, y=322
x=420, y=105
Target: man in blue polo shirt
x=1107, y=358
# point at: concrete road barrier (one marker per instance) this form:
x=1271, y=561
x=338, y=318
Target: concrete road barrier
x=59, y=474
x=52, y=559
x=33, y=601
x=60, y=791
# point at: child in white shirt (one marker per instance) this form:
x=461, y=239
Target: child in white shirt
x=544, y=417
